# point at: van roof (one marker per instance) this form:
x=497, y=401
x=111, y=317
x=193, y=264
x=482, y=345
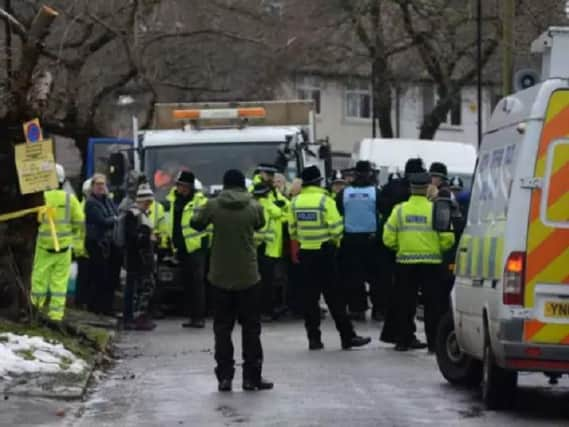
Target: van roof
x=157, y=138
x=523, y=106
x=459, y=157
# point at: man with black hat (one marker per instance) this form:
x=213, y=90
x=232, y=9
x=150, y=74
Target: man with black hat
x=409, y=231
x=190, y=245
x=317, y=226
x=359, y=205
x=234, y=276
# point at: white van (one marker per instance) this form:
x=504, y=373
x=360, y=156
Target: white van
x=511, y=294
x=390, y=155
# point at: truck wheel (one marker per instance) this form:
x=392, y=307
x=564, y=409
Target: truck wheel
x=498, y=384
x=457, y=367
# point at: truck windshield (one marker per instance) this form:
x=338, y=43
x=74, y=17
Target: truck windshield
x=208, y=162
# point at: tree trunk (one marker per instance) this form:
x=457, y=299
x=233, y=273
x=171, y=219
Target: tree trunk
x=382, y=97
x=17, y=236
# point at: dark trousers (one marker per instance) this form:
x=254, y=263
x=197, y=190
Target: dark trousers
x=409, y=278
x=82, y=293
x=193, y=270
x=244, y=306
x=319, y=276
x=105, y=262
x=360, y=264
x=267, y=269
x=138, y=293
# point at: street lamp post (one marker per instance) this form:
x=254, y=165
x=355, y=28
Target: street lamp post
x=479, y=69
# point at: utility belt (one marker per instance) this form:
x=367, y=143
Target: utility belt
x=60, y=251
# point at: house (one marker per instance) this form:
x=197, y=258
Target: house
x=344, y=109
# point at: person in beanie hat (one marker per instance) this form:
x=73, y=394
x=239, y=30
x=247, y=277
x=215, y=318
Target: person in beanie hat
x=139, y=238
x=409, y=232
x=337, y=183
x=234, y=275
x=189, y=246
x=359, y=205
x=316, y=225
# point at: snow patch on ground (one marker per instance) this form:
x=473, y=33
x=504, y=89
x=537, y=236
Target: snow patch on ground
x=22, y=354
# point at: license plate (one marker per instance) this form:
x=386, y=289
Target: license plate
x=556, y=310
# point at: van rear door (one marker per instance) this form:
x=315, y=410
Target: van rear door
x=547, y=264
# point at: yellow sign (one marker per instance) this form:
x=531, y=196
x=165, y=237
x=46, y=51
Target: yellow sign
x=36, y=167
x=557, y=310
x=33, y=131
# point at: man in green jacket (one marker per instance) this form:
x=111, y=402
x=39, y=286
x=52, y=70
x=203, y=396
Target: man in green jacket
x=234, y=274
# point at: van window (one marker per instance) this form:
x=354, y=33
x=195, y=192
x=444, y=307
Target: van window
x=493, y=185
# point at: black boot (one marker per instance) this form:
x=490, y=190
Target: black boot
x=253, y=385
x=315, y=345
x=224, y=385
x=355, y=341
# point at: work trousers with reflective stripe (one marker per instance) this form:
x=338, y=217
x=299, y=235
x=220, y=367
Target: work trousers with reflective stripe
x=319, y=276
x=50, y=277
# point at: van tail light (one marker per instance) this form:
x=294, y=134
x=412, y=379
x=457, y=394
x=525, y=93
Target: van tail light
x=514, y=279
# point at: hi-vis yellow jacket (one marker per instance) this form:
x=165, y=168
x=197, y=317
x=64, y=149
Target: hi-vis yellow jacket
x=69, y=220
x=271, y=234
x=314, y=219
x=193, y=238
x=157, y=216
x=409, y=231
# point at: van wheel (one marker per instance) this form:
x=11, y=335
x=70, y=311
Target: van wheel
x=498, y=384
x=457, y=367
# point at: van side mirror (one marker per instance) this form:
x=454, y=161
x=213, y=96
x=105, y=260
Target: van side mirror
x=442, y=214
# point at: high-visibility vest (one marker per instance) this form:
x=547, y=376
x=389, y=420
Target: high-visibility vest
x=157, y=216
x=360, y=208
x=314, y=219
x=409, y=231
x=69, y=220
x=192, y=237
x=271, y=233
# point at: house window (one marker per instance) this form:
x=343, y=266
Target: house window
x=430, y=99
x=308, y=88
x=358, y=101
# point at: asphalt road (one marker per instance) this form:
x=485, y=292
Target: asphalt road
x=166, y=379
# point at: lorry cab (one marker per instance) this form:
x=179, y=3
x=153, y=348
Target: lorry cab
x=511, y=294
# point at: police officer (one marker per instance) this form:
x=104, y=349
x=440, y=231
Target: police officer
x=359, y=205
x=316, y=224
x=409, y=231
x=189, y=244
x=337, y=183
x=273, y=306
x=52, y=263
x=269, y=248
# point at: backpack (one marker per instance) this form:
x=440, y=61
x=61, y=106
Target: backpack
x=119, y=231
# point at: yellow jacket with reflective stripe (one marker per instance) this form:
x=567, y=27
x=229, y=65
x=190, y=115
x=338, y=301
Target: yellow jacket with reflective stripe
x=314, y=219
x=68, y=217
x=409, y=231
x=79, y=249
x=271, y=234
x=193, y=238
x=157, y=216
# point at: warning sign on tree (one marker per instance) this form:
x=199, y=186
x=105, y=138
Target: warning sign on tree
x=36, y=167
x=33, y=131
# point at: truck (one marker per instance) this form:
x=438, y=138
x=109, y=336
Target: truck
x=207, y=139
